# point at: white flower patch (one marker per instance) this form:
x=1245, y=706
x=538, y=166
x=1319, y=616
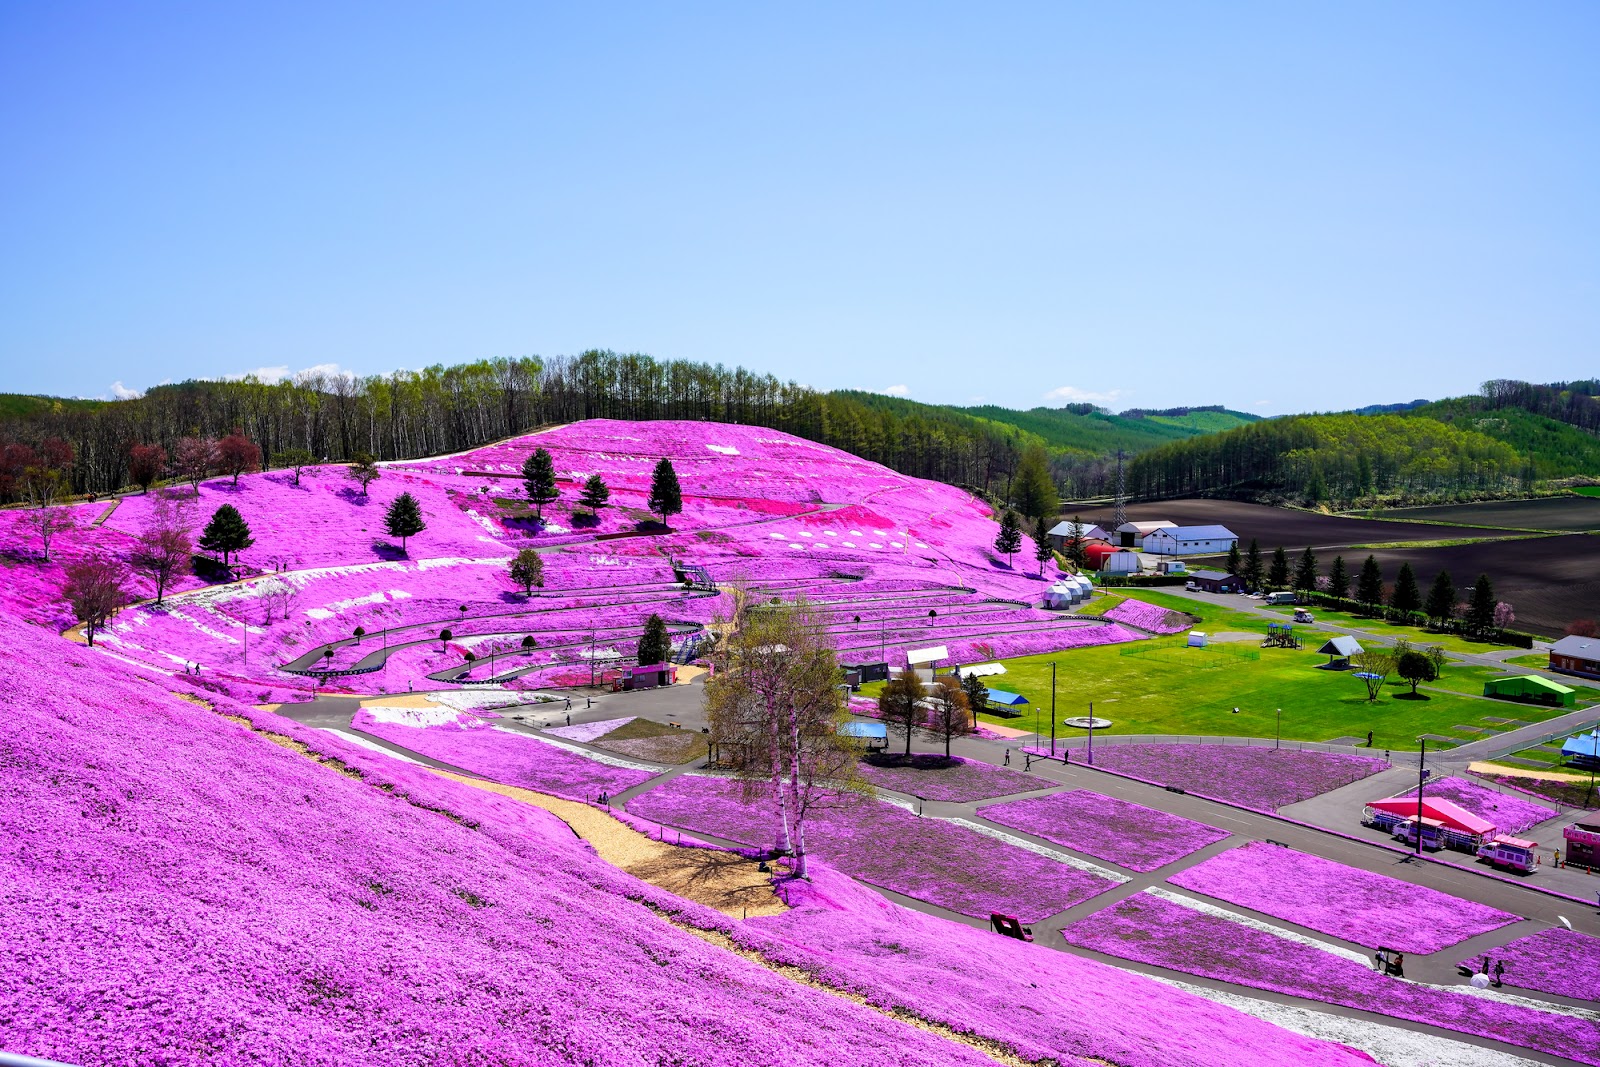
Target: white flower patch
x=778, y=536
x=610, y=761
x=1389, y=1045
x=463, y=699
x=1048, y=853
x=797, y=548
x=482, y=521
x=362, y=741
x=319, y=613
x=609, y=561
x=1587, y=1014
x=457, y=561
x=921, y=545
x=829, y=533
x=726, y=450
x=551, y=527
x=356, y=602
x=848, y=544
x=874, y=544
x=857, y=533
x=395, y=715
x=1267, y=928
x=896, y=544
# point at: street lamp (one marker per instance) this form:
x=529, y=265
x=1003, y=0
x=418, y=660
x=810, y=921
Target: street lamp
x=1277, y=738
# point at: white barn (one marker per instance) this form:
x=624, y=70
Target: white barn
x=1190, y=540
x=1133, y=534
x=1059, y=533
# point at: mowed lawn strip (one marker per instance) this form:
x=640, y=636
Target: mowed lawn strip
x=1360, y=906
x=1129, y=835
x=885, y=845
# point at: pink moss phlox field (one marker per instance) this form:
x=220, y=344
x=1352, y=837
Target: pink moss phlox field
x=962, y=781
x=1557, y=960
x=1129, y=835
x=1046, y=1005
x=925, y=858
x=1148, y=930
x=1359, y=906
x=175, y=890
x=1149, y=618
x=508, y=758
x=1510, y=814
x=1261, y=778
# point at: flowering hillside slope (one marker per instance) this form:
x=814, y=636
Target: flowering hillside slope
x=898, y=563
x=175, y=890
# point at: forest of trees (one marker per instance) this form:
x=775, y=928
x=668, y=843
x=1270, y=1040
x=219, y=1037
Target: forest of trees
x=440, y=409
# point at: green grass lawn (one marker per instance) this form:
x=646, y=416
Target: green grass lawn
x=1101, y=603
x=1588, y=490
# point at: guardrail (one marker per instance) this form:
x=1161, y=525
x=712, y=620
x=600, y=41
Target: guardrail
x=1101, y=740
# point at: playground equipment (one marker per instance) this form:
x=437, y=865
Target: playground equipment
x=1280, y=635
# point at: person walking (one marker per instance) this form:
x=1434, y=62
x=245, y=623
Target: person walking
x=1499, y=969
x=1008, y=757
x=1399, y=965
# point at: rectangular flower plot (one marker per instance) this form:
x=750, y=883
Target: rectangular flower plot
x=885, y=845
x=1359, y=906
x=1510, y=814
x=1147, y=929
x=509, y=758
x=1149, y=617
x=1129, y=835
x=1559, y=961
x=957, y=781
x=1261, y=778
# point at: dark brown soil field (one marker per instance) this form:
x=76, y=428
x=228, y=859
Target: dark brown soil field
x=1294, y=530
x=1562, y=514
x=1549, y=581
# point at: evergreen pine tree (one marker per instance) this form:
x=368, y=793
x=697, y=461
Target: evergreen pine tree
x=1369, y=586
x=1278, y=577
x=666, y=496
x=539, y=479
x=1305, y=575
x=1074, y=549
x=1406, y=597
x=977, y=693
x=656, y=644
x=1253, y=569
x=1042, y=552
x=1480, y=610
x=595, y=494
x=227, y=532
x=1338, y=579
x=1235, y=559
x=404, y=518
x=1009, y=542
x=1035, y=490
x=1441, y=599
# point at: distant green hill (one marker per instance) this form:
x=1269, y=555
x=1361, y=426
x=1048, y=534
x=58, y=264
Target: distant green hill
x=1557, y=449
x=17, y=405
x=1081, y=428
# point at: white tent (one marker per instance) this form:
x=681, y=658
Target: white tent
x=1122, y=562
x=981, y=670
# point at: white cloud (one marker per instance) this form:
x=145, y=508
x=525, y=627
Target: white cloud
x=896, y=390
x=1071, y=394
x=122, y=392
x=976, y=399
x=273, y=375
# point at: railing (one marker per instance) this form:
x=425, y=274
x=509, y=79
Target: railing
x=1080, y=740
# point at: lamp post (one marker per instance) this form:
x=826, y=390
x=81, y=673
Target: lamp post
x=1422, y=777
x=1277, y=737
x=1091, y=733
x=1052, y=709
x=1594, y=761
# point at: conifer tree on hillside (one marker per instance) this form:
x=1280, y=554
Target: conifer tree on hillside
x=404, y=519
x=1369, y=586
x=1406, y=597
x=1338, y=579
x=1305, y=575
x=1480, y=609
x=227, y=533
x=1235, y=559
x=539, y=478
x=1009, y=541
x=977, y=693
x=1035, y=491
x=596, y=495
x=1441, y=599
x=1254, y=571
x=1278, y=577
x=666, y=496
x=656, y=644
x=1073, y=547
x=1042, y=552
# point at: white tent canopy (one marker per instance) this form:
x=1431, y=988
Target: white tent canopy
x=981, y=670
x=927, y=655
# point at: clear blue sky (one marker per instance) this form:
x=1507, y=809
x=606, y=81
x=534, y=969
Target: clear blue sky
x=1265, y=206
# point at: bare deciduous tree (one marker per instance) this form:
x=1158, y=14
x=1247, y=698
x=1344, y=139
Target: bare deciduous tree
x=166, y=545
x=94, y=588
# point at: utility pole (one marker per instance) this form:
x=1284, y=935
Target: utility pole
x=1052, y=708
x=1422, y=776
x=1091, y=733
x=1122, y=509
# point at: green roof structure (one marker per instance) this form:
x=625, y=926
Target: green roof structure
x=1531, y=688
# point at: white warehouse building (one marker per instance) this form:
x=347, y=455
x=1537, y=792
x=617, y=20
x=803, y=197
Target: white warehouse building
x=1190, y=540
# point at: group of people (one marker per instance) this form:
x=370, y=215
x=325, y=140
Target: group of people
x=1390, y=962
x=1484, y=977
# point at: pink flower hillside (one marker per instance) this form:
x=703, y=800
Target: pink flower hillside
x=1149, y=617
x=1261, y=778
x=1149, y=930
x=1510, y=813
x=180, y=891
x=507, y=757
x=1358, y=906
x=1048, y=1006
x=963, y=780
x=1129, y=835
x=929, y=859
x=1559, y=961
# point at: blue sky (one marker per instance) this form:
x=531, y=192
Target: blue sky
x=1272, y=207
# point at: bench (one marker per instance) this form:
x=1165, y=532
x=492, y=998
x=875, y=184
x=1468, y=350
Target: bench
x=1009, y=926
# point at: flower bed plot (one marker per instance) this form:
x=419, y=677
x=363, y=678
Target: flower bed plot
x=1559, y=961
x=1356, y=905
x=1510, y=814
x=958, y=781
x=1129, y=835
x=1149, y=930
x=1149, y=617
x=507, y=757
x=883, y=844
x=1261, y=778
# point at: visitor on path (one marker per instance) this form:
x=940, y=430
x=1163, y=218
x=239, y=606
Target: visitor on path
x=1399, y=965
x=1499, y=969
x=1369, y=738
x=569, y=703
x=1008, y=757
x=569, y=720
x=1380, y=960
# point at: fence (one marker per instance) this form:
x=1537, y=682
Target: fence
x=1081, y=741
